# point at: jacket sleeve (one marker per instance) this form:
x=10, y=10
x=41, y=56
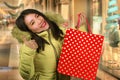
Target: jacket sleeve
x=26, y=63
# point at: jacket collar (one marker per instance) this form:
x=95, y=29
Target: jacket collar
x=45, y=34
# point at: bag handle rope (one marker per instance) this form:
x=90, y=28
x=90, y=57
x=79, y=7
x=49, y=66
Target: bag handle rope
x=80, y=15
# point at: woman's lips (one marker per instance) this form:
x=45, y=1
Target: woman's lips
x=43, y=24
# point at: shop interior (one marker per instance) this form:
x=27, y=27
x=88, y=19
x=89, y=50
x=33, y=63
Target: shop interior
x=103, y=16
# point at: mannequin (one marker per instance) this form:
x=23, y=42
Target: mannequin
x=119, y=31
x=114, y=42
x=114, y=36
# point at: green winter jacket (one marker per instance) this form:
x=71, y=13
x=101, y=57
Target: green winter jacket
x=42, y=65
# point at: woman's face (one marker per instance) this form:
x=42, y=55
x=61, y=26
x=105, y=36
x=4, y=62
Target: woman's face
x=36, y=23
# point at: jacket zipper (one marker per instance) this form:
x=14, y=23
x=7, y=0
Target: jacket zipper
x=55, y=52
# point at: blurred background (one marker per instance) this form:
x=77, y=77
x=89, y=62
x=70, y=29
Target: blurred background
x=103, y=16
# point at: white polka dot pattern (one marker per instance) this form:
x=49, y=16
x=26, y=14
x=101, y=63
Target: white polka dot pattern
x=80, y=54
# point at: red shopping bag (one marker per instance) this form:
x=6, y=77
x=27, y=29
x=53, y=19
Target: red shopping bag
x=80, y=54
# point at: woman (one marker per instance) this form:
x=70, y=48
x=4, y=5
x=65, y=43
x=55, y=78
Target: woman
x=39, y=61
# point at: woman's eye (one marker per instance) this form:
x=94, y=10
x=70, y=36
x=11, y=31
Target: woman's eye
x=32, y=23
x=37, y=15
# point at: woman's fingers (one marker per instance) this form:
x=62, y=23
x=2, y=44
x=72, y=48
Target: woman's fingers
x=24, y=39
x=32, y=44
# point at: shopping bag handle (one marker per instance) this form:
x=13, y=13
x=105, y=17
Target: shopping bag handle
x=80, y=15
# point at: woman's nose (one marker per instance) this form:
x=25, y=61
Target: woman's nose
x=39, y=21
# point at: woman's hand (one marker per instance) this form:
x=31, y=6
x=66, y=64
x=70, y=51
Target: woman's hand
x=81, y=20
x=30, y=43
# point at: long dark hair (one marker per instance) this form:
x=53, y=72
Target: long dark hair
x=56, y=32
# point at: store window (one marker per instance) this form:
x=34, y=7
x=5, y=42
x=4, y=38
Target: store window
x=111, y=53
x=97, y=16
x=97, y=7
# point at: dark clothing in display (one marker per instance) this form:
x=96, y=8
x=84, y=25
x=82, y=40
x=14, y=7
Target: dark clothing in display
x=114, y=38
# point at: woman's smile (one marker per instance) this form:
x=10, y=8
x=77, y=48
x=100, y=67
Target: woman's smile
x=43, y=24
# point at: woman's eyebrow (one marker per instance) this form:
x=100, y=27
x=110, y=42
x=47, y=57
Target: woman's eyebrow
x=32, y=20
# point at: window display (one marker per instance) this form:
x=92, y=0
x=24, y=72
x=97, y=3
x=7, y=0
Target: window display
x=111, y=53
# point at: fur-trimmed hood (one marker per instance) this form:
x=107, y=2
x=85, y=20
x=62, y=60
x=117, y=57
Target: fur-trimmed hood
x=18, y=34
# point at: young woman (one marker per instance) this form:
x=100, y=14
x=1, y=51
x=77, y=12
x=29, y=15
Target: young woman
x=39, y=61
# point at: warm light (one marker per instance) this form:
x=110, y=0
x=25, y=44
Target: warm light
x=19, y=2
x=2, y=11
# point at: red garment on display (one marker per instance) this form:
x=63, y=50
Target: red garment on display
x=80, y=54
